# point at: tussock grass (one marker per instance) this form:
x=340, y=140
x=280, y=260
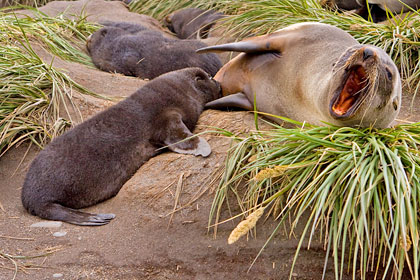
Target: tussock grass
x=361, y=188
x=400, y=37
x=31, y=91
x=30, y=96
x=63, y=37
x=19, y=264
x=33, y=3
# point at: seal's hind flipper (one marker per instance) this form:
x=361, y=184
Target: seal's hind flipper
x=57, y=212
x=95, y=220
x=237, y=100
x=180, y=139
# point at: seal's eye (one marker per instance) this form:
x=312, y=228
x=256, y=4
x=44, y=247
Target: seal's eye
x=395, y=104
x=388, y=74
x=103, y=32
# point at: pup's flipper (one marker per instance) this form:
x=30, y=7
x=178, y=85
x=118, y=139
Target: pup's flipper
x=237, y=100
x=57, y=212
x=180, y=139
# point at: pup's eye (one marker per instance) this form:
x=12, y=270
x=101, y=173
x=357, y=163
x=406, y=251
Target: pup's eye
x=388, y=74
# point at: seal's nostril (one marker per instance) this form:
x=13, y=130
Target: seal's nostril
x=367, y=52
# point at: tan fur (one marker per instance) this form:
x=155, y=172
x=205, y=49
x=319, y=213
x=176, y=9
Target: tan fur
x=296, y=71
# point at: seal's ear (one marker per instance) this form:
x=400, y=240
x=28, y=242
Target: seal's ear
x=179, y=139
x=168, y=18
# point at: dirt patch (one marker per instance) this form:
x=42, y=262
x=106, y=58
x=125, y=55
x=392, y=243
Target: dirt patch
x=143, y=241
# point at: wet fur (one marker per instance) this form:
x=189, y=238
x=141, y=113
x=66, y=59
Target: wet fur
x=134, y=50
x=91, y=162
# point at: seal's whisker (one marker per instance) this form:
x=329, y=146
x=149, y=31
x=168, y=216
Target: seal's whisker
x=372, y=88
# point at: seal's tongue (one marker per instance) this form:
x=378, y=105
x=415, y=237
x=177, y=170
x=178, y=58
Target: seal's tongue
x=355, y=83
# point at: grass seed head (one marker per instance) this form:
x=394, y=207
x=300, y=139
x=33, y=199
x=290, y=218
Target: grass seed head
x=269, y=173
x=407, y=244
x=246, y=225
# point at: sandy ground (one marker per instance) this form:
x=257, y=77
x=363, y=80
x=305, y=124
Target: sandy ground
x=145, y=241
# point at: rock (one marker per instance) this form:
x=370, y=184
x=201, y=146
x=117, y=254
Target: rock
x=48, y=224
x=59, y=234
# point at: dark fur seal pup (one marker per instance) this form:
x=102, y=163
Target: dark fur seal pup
x=378, y=8
x=91, y=162
x=311, y=72
x=375, y=8
x=133, y=50
x=395, y=6
x=346, y=5
x=128, y=27
x=192, y=23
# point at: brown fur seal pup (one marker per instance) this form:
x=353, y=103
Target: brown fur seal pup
x=91, y=162
x=133, y=50
x=192, y=23
x=311, y=72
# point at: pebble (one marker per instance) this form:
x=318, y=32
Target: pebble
x=59, y=233
x=48, y=224
x=58, y=275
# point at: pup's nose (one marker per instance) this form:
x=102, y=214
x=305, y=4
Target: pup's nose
x=367, y=53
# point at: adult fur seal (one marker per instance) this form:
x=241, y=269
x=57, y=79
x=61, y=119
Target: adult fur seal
x=90, y=163
x=134, y=50
x=192, y=23
x=311, y=72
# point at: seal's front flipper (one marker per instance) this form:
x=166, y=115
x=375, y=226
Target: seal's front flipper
x=275, y=42
x=197, y=146
x=237, y=100
x=180, y=139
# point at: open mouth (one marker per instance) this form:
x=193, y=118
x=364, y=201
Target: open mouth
x=346, y=101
